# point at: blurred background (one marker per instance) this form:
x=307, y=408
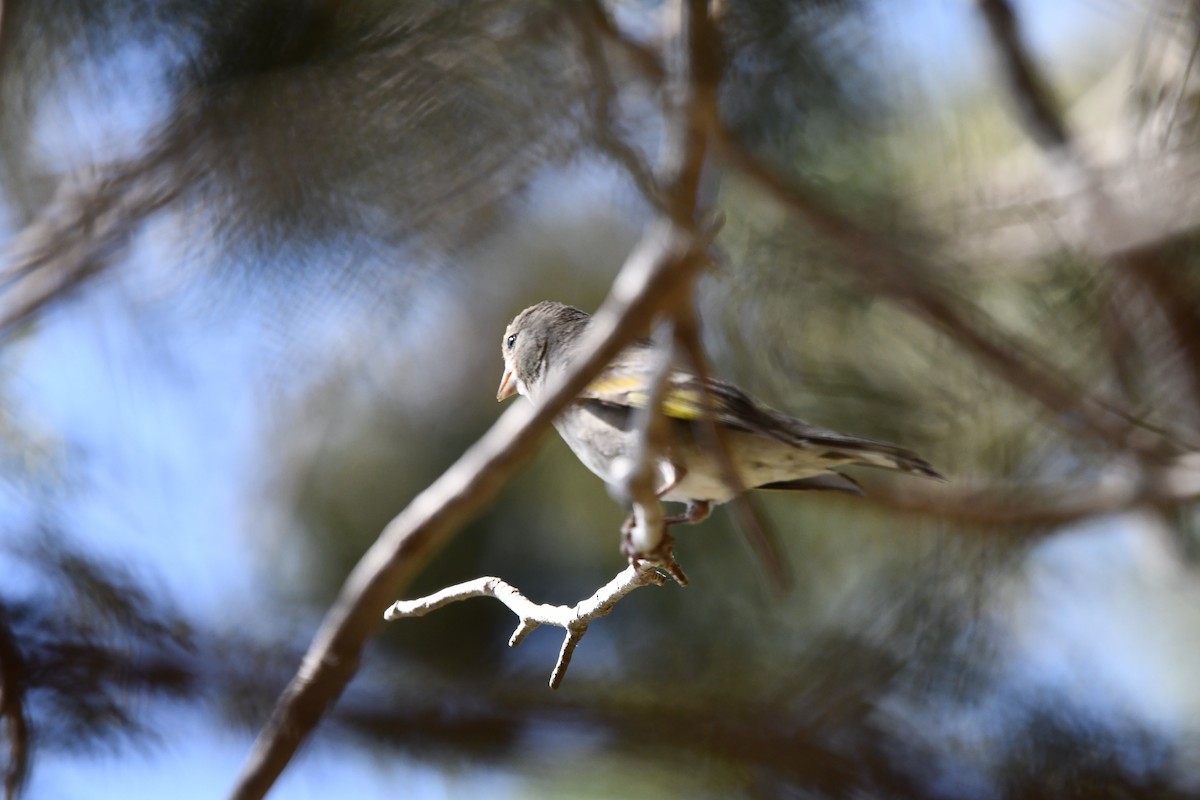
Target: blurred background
x=276, y=247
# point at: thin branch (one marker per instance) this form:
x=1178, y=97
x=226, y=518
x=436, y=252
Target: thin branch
x=896, y=274
x=1181, y=95
x=761, y=538
x=589, y=19
x=690, y=106
x=574, y=620
x=1176, y=299
x=647, y=529
x=1172, y=485
x=80, y=232
x=693, y=72
x=1105, y=219
x=12, y=710
x=1034, y=102
x=646, y=59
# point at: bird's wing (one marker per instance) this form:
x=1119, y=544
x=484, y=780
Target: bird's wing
x=624, y=385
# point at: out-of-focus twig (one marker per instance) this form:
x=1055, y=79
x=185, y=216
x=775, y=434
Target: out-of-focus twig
x=646, y=59
x=1026, y=85
x=1175, y=298
x=760, y=537
x=693, y=72
x=689, y=105
x=1033, y=508
x=572, y=619
x=12, y=710
x=897, y=274
x=589, y=18
x=646, y=527
x=1044, y=124
x=1181, y=95
x=79, y=233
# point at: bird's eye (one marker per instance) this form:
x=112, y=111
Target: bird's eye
x=510, y=341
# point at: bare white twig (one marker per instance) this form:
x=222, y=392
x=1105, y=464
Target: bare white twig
x=574, y=620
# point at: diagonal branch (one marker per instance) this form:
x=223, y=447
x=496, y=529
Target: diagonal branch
x=656, y=275
x=572, y=619
x=1034, y=102
x=432, y=517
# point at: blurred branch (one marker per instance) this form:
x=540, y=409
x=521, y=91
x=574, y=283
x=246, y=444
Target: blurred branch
x=1181, y=94
x=573, y=619
x=647, y=60
x=1176, y=484
x=657, y=275
x=589, y=18
x=12, y=709
x=1107, y=221
x=1165, y=286
x=689, y=106
x=91, y=219
x=761, y=538
x=1037, y=108
x=896, y=274
x=646, y=529
x=693, y=73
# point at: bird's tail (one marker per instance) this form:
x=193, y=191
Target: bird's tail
x=885, y=455
x=845, y=449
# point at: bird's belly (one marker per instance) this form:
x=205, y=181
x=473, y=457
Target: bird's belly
x=597, y=436
x=598, y=441
x=695, y=486
x=759, y=461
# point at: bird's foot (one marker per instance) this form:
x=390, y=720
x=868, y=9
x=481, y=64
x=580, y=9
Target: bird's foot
x=697, y=511
x=661, y=557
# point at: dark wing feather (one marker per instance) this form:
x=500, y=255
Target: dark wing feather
x=826, y=482
x=623, y=385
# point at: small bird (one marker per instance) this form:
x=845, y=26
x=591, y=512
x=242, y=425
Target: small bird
x=768, y=449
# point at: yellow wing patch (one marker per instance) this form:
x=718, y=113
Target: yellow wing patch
x=628, y=389
x=613, y=384
x=683, y=404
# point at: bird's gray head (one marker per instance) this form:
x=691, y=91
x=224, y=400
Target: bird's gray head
x=539, y=336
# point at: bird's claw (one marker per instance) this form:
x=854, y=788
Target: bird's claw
x=661, y=557
x=697, y=511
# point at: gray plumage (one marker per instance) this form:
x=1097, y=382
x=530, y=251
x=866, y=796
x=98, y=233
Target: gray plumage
x=770, y=449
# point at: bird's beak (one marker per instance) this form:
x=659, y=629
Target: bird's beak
x=508, y=386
